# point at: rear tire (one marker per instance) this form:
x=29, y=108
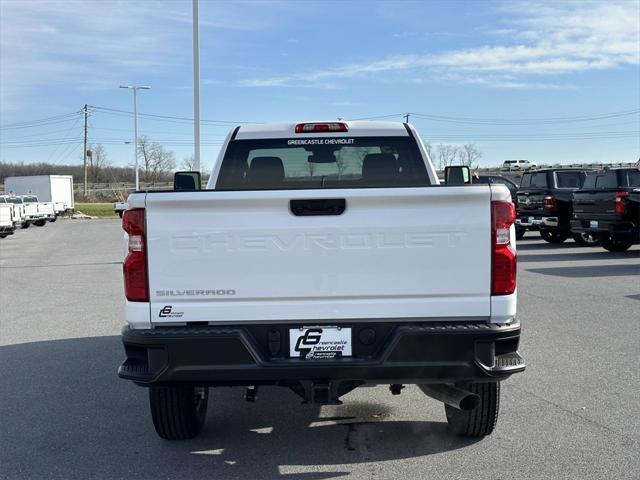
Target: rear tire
x=178, y=413
x=520, y=231
x=39, y=223
x=553, y=236
x=26, y=225
x=480, y=421
x=616, y=244
x=3, y=235
x=120, y=213
x=586, y=239
x=53, y=219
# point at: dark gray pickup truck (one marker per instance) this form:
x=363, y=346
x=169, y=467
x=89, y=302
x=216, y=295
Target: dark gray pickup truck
x=608, y=206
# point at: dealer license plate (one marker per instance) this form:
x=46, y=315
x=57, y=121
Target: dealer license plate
x=593, y=224
x=319, y=342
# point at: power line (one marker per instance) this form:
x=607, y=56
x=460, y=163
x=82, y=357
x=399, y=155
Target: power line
x=379, y=117
x=526, y=121
x=38, y=121
x=168, y=117
x=42, y=124
x=55, y=150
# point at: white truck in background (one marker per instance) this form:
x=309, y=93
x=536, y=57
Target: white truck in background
x=17, y=209
x=119, y=208
x=7, y=226
x=321, y=257
x=29, y=211
x=54, y=189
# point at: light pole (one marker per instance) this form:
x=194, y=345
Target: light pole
x=196, y=88
x=135, y=89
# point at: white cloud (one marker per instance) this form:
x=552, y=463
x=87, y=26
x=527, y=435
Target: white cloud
x=550, y=39
x=96, y=44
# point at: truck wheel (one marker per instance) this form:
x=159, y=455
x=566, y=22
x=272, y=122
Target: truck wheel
x=586, y=239
x=520, y=231
x=616, y=244
x=480, y=421
x=3, y=235
x=120, y=213
x=25, y=225
x=178, y=412
x=53, y=219
x=553, y=236
x=40, y=223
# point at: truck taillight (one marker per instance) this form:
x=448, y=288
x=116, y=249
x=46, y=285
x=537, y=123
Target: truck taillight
x=321, y=127
x=136, y=284
x=620, y=205
x=550, y=203
x=503, y=255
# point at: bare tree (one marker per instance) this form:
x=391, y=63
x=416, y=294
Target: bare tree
x=341, y=162
x=429, y=149
x=98, y=161
x=156, y=161
x=446, y=155
x=188, y=163
x=145, y=152
x=469, y=155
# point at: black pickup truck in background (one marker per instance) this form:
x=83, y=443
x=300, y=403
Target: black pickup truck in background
x=545, y=202
x=497, y=180
x=607, y=206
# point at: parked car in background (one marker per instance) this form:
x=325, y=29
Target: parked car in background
x=545, y=203
x=17, y=209
x=32, y=211
x=607, y=206
x=517, y=165
x=498, y=180
x=297, y=271
x=7, y=226
x=54, y=189
x=119, y=208
x=46, y=209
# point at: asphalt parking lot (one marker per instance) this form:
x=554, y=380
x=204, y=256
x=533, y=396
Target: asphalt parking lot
x=575, y=412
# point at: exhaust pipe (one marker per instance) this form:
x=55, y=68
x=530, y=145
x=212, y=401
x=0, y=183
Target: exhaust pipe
x=453, y=396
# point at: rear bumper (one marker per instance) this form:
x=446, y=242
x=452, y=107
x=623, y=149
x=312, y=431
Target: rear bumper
x=401, y=353
x=604, y=226
x=536, y=222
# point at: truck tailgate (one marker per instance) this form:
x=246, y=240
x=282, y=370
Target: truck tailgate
x=394, y=253
x=595, y=204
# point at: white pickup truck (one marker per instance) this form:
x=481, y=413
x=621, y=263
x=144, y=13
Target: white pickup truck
x=37, y=212
x=17, y=209
x=7, y=226
x=321, y=257
x=119, y=208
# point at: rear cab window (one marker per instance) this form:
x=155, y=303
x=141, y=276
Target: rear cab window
x=316, y=163
x=608, y=180
x=569, y=179
x=633, y=178
x=611, y=179
x=535, y=180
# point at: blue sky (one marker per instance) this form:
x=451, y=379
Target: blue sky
x=512, y=76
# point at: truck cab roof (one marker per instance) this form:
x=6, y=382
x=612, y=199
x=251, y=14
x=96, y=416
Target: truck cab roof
x=356, y=128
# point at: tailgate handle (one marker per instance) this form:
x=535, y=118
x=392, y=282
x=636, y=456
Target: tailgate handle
x=318, y=206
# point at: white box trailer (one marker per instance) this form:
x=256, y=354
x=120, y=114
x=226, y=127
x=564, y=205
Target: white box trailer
x=56, y=189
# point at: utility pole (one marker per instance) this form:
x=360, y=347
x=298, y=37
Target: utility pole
x=196, y=88
x=406, y=118
x=84, y=154
x=135, y=89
